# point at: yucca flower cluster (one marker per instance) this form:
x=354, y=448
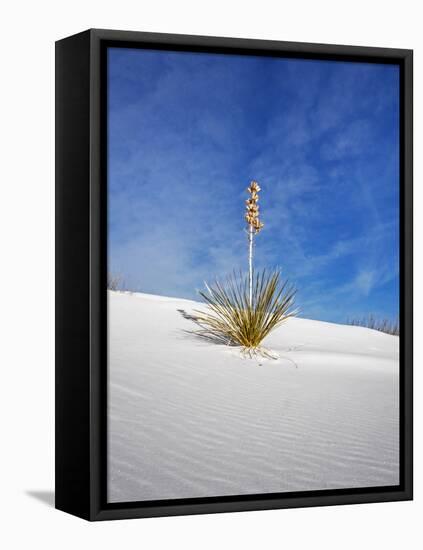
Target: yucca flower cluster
x=252, y=207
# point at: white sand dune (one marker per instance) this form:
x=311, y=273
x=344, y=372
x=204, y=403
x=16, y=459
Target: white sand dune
x=191, y=418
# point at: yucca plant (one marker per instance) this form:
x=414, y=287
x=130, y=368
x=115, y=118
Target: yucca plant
x=244, y=309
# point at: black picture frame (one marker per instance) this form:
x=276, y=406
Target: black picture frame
x=81, y=275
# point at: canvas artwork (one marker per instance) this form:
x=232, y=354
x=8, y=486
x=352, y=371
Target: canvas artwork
x=253, y=274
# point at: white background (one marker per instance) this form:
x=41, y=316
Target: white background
x=28, y=32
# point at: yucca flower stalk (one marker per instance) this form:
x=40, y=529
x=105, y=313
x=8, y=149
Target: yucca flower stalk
x=254, y=226
x=243, y=310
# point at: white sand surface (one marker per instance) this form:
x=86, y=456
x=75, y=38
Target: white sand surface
x=191, y=418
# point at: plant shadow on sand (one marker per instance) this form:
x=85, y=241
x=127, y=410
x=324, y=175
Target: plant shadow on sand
x=206, y=335
x=203, y=333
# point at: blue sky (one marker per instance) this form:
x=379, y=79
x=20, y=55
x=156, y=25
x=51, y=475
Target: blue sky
x=187, y=133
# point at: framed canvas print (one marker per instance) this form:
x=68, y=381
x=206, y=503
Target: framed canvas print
x=234, y=274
